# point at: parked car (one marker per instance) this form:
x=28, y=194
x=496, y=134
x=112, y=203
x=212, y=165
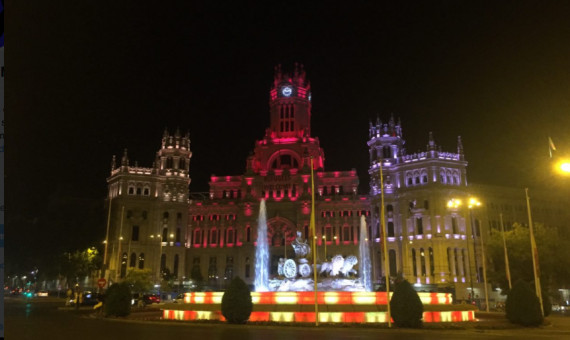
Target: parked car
x=146, y=299
x=88, y=299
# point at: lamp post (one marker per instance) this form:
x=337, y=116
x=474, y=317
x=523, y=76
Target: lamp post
x=158, y=266
x=455, y=204
x=474, y=203
x=325, y=243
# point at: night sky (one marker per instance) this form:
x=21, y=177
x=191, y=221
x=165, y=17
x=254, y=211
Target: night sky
x=86, y=79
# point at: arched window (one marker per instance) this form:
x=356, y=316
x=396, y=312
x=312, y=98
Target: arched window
x=141, y=261
x=133, y=260
x=213, y=236
x=175, y=266
x=453, y=225
x=124, y=260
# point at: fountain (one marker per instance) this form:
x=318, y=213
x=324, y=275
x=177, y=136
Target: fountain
x=342, y=296
x=364, y=256
x=262, y=252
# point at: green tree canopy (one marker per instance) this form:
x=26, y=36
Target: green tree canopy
x=553, y=254
x=79, y=264
x=139, y=280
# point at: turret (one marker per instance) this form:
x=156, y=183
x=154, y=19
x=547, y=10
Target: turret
x=290, y=104
x=460, y=148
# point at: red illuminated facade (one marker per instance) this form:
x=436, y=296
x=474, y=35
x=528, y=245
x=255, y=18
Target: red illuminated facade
x=222, y=228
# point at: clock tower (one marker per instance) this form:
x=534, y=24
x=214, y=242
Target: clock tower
x=290, y=104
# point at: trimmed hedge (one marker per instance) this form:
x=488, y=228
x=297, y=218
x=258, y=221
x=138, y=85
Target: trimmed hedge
x=236, y=302
x=118, y=300
x=522, y=306
x=406, y=307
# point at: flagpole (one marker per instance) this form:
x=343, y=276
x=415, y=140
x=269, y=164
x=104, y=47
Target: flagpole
x=507, y=269
x=383, y=233
x=534, y=251
x=314, y=240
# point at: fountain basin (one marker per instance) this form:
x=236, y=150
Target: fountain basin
x=334, y=307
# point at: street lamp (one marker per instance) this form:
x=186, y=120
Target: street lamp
x=325, y=242
x=159, y=264
x=455, y=203
x=562, y=166
x=474, y=203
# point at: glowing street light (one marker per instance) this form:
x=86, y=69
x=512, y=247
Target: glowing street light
x=563, y=167
x=474, y=203
x=454, y=203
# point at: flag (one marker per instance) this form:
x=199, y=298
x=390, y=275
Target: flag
x=551, y=146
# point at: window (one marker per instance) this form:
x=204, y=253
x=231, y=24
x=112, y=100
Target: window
x=423, y=261
x=133, y=260
x=454, y=225
x=164, y=234
x=131, y=190
x=456, y=261
x=162, y=263
x=346, y=235
x=414, y=263
x=431, y=262
x=248, y=234
x=419, y=226
x=230, y=236
x=175, y=266
x=197, y=236
x=390, y=229
x=141, y=261
x=165, y=215
x=178, y=235
x=386, y=152
x=247, y=267
x=426, y=204
x=139, y=190
x=124, y=265
x=144, y=215
x=135, y=234
x=392, y=260
x=306, y=232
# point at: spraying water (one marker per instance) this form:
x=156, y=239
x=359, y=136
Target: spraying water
x=262, y=252
x=365, y=256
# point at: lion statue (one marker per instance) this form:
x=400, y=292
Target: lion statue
x=340, y=265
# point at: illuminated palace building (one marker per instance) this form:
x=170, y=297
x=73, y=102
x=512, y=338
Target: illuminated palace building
x=432, y=240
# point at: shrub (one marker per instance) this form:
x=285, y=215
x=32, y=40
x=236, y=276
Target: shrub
x=406, y=307
x=236, y=302
x=522, y=306
x=118, y=300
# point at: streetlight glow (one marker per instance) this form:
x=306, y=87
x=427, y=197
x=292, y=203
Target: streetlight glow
x=454, y=203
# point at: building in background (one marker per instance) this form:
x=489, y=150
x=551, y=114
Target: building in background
x=148, y=212
x=433, y=233
x=222, y=225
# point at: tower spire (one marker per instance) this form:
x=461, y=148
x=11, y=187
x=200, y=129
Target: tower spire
x=460, y=148
x=431, y=142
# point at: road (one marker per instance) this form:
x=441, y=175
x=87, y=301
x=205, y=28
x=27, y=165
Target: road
x=41, y=319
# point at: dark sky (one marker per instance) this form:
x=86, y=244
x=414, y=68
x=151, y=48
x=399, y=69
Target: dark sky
x=86, y=79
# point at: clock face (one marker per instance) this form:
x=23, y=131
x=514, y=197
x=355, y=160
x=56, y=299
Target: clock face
x=286, y=91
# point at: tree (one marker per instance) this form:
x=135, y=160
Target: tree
x=405, y=306
x=554, y=256
x=118, y=300
x=236, y=302
x=79, y=264
x=522, y=306
x=139, y=280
